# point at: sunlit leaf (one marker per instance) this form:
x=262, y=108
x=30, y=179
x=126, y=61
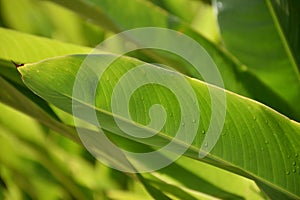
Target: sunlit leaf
x=252, y=133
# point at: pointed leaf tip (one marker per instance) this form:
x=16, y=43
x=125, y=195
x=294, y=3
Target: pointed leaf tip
x=17, y=65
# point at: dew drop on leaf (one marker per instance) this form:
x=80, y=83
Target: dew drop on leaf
x=287, y=172
x=206, y=144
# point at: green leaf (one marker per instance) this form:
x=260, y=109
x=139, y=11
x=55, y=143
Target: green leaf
x=34, y=156
x=49, y=20
x=33, y=21
x=14, y=98
x=256, y=142
x=183, y=193
x=25, y=48
x=180, y=8
x=264, y=36
x=213, y=181
x=154, y=192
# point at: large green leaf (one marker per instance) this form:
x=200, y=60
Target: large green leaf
x=18, y=101
x=264, y=35
x=15, y=95
x=112, y=16
x=256, y=142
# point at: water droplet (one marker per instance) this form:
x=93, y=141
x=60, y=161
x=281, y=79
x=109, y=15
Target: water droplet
x=142, y=98
x=262, y=149
x=267, y=122
x=107, y=78
x=194, y=121
x=206, y=144
x=288, y=156
x=294, y=163
x=203, y=131
x=294, y=170
x=287, y=172
x=254, y=118
x=296, y=155
x=266, y=142
x=219, y=4
x=183, y=124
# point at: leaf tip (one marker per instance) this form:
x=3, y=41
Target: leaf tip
x=17, y=65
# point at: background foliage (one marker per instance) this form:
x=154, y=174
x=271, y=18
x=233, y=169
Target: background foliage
x=255, y=45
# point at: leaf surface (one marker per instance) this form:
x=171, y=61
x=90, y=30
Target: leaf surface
x=252, y=133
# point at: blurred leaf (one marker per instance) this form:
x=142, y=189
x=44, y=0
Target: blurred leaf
x=264, y=35
x=17, y=167
x=69, y=27
x=125, y=195
x=180, y=8
x=175, y=191
x=24, y=48
x=252, y=133
x=192, y=175
x=14, y=98
x=205, y=22
x=154, y=192
x=49, y=20
x=201, y=177
x=199, y=15
x=287, y=13
x=26, y=16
